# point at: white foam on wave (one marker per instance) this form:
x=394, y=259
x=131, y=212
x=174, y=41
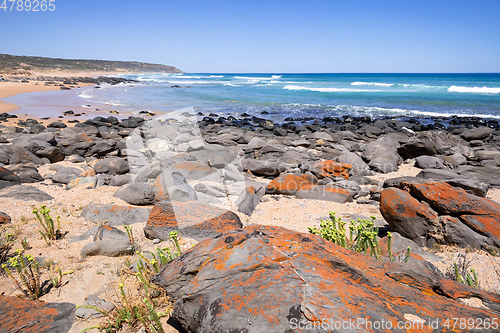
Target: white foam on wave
x=406, y=85
x=291, y=87
x=474, y=90
x=376, y=111
x=189, y=82
x=216, y=75
x=358, y=83
x=452, y=114
x=421, y=86
x=232, y=85
x=251, y=78
x=182, y=76
x=146, y=79
x=85, y=95
x=276, y=77
x=113, y=103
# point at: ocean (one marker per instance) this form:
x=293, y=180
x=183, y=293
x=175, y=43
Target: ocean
x=287, y=95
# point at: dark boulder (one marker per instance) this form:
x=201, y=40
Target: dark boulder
x=25, y=192
x=137, y=194
x=261, y=167
x=383, y=165
x=9, y=176
x=112, y=166
x=479, y=133
x=120, y=180
x=485, y=174
x=27, y=173
x=18, y=155
x=54, y=154
x=437, y=174
x=65, y=174
x=114, y=215
x=57, y=124
x=429, y=162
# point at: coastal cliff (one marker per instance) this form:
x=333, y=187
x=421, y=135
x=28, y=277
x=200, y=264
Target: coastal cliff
x=28, y=66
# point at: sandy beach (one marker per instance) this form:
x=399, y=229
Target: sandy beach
x=8, y=89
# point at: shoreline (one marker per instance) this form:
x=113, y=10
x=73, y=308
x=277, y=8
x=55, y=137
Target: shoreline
x=70, y=80
x=16, y=85
x=9, y=89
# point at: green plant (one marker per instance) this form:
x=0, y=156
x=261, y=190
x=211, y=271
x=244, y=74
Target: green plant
x=57, y=281
x=130, y=234
x=461, y=272
x=138, y=306
x=28, y=271
x=408, y=254
x=16, y=230
x=133, y=310
x=5, y=245
x=48, y=264
x=362, y=234
x=51, y=232
x=25, y=244
x=174, y=235
x=389, y=246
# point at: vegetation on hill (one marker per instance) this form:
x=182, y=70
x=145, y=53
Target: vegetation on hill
x=24, y=65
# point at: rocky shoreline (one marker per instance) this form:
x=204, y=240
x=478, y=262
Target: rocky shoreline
x=64, y=81
x=202, y=174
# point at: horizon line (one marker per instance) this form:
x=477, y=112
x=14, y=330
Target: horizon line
x=284, y=73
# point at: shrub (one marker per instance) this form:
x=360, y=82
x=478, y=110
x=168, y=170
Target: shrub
x=57, y=281
x=138, y=305
x=28, y=272
x=6, y=243
x=51, y=232
x=362, y=234
x=461, y=272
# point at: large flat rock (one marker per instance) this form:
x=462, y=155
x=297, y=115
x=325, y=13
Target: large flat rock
x=270, y=279
x=194, y=219
x=22, y=315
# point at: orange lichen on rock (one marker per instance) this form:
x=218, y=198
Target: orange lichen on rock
x=191, y=218
x=289, y=184
x=264, y=278
x=329, y=169
x=21, y=315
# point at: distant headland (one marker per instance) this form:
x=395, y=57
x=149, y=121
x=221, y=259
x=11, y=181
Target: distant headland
x=12, y=65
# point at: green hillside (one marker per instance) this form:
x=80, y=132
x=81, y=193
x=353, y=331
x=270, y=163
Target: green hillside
x=24, y=65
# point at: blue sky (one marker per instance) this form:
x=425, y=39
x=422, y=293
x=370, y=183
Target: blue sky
x=271, y=36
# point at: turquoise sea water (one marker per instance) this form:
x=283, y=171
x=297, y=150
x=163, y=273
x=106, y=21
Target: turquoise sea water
x=302, y=95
